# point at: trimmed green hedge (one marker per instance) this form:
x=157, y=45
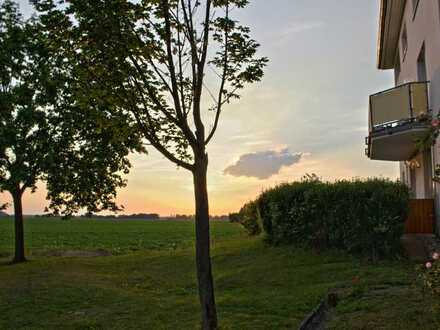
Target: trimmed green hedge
x=250, y=219
x=363, y=217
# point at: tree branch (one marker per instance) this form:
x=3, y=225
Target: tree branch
x=223, y=81
x=200, y=76
x=192, y=42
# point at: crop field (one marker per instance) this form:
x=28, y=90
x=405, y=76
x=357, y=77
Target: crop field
x=146, y=280
x=115, y=236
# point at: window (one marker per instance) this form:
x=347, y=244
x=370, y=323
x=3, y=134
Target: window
x=421, y=65
x=404, y=41
x=427, y=164
x=397, y=68
x=415, y=4
x=413, y=181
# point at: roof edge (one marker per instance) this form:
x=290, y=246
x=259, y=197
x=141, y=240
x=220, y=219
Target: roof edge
x=380, y=40
x=390, y=21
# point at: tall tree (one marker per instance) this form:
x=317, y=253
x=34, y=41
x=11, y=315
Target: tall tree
x=22, y=127
x=40, y=138
x=153, y=61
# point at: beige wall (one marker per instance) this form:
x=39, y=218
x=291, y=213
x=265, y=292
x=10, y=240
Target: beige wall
x=423, y=28
x=421, y=186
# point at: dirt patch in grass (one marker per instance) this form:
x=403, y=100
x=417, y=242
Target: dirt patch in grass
x=76, y=253
x=63, y=253
x=4, y=254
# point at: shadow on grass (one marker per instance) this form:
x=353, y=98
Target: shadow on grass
x=4, y=263
x=10, y=262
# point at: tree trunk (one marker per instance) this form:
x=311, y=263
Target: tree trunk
x=203, y=255
x=19, y=232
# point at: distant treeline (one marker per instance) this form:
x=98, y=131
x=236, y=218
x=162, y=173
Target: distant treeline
x=191, y=217
x=145, y=216
x=140, y=216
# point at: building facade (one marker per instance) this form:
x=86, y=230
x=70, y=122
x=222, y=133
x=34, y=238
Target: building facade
x=400, y=118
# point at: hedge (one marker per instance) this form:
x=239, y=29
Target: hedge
x=363, y=217
x=250, y=219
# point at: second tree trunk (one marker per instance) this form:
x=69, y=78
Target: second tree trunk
x=203, y=255
x=19, y=230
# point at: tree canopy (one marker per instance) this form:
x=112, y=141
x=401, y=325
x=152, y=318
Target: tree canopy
x=151, y=60
x=47, y=134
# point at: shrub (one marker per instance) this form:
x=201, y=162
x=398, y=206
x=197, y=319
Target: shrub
x=363, y=217
x=249, y=218
x=234, y=217
x=430, y=276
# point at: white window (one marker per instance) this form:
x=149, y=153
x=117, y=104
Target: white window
x=397, y=68
x=415, y=4
x=421, y=65
x=404, y=41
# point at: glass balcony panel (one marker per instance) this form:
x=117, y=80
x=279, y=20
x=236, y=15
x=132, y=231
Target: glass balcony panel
x=419, y=95
x=390, y=106
x=394, y=125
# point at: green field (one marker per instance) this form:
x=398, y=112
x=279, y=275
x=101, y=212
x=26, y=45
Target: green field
x=149, y=280
x=116, y=236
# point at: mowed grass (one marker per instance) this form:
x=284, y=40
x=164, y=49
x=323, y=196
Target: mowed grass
x=149, y=281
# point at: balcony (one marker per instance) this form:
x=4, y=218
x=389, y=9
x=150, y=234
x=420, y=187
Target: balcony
x=398, y=117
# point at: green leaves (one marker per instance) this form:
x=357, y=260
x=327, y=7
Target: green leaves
x=149, y=61
x=50, y=128
x=23, y=127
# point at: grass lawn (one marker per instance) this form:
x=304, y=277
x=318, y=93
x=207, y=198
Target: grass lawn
x=149, y=281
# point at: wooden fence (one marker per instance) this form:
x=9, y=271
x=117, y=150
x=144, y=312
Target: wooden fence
x=421, y=217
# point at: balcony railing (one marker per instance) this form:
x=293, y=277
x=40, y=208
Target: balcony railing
x=398, y=117
x=398, y=105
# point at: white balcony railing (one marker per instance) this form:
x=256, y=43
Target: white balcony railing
x=398, y=118
x=398, y=105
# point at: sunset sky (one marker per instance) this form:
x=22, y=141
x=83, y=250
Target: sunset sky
x=308, y=115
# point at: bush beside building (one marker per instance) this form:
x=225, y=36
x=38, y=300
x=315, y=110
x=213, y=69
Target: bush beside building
x=363, y=217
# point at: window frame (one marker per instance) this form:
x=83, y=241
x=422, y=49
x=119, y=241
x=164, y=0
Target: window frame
x=397, y=67
x=422, y=56
x=415, y=4
x=404, y=41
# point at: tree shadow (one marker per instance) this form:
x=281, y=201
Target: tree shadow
x=11, y=262
x=5, y=263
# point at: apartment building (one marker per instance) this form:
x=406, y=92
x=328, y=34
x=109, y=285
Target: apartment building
x=400, y=118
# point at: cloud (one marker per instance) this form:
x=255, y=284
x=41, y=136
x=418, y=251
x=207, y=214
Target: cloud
x=294, y=30
x=262, y=165
x=302, y=26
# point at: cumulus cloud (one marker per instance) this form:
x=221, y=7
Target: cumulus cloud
x=262, y=165
x=295, y=29
x=301, y=27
